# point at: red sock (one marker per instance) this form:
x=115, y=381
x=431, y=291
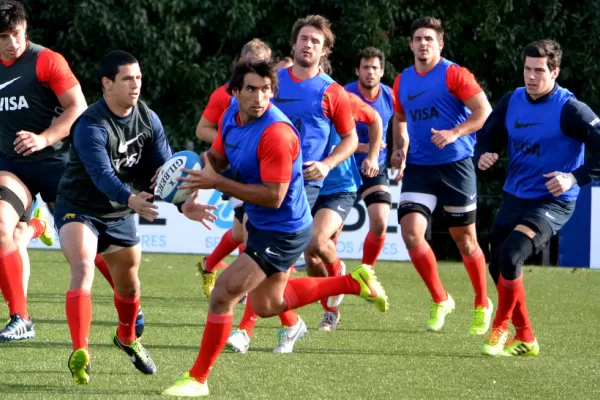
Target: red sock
x=249, y=319
x=508, y=293
x=103, y=268
x=326, y=307
x=227, y=245
x=302, y=291
x=216, y=333
x=127, y=310
x=242, y=248
x=11, y=282
x=38, y=227
x=476, y=268
x=334, y=269
x=424, y=261
x=288, y=318
x=520, y=319
x=79, y=317
x=372, y=248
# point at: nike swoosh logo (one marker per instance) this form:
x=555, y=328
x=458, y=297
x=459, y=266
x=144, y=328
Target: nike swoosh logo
x=269, y=252
x=231, y=146
x=124, y=145
x=526, y=124
x=131, y=358
x=550, y=216
x=341, y=209
x=411, y=97
x=278, y=99
x=473, y=196
x=5, y=84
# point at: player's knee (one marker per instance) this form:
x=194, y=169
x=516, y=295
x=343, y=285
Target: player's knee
x=378, y=227
x=7, y=234
x=517, y=248
x=224, y=293
x=467, y=244
x=82, y=275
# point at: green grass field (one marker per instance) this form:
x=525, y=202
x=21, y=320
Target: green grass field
x=372, y=355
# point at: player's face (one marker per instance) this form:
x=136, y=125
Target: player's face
x=13, y=43
x=308, y=48
x=370, y=72
x=539, y=80
x=126, y=87
x=254, y=97
x=425, y=45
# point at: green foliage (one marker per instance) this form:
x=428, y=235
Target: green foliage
x=186, y=48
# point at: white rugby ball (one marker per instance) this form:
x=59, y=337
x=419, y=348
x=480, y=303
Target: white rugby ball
x=167, y=185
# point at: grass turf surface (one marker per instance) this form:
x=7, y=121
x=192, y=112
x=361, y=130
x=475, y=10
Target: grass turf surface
x=371, y=355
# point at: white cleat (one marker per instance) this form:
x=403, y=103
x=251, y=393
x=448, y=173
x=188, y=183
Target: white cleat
x=335, y=301
x=238, y=341
x=287, y=337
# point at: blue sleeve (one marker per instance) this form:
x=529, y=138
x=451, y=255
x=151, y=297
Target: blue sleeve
x=90, y=140
x=493, y=134
x=161, y=151
x=577, y=120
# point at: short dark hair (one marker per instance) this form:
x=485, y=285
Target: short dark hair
x=12, y=13
x=430, y=23
x=262, y=68
x=370, y=52
x=111, y=61
x=545, y=48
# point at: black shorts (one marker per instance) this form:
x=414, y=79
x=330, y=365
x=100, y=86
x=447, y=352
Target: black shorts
x=276, y=251
x=545, y=216
x=40, y=176
x=312, y=193
x=453, y=184
x=239, y=212
x=121, y=232
x=341, y=203
x=380, y=179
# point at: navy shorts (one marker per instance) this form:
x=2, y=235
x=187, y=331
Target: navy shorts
x=121, y=232
x=453, y=184
x=276, y=251
x=341, y=203
x=40, y=176
x=312, y=193
x=380, y=179
x=544, y=216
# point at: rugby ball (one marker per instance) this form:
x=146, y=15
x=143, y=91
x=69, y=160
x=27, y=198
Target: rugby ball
x=167, y=185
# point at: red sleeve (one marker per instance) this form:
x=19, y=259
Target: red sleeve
x=278, y=148
x=395, y=97
x=217, y=144
x=53, y=70
x=336, y=106
x=361, y=111
x=217, y=104
x=462, y=83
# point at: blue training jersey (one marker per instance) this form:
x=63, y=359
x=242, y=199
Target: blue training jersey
x=428, y=104
x=241, y=147
x=345, y=178
x=384, y=105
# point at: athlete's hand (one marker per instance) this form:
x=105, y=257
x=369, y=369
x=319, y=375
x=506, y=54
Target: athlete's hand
x=487, y=160
x=315, y=171
x=398, y=164
x=443, y=138
x=154, y=178
x=28, y=143
x=560, y=182
x=370, y=167
x=140, y=204
x=197, y=211
x=206, y=178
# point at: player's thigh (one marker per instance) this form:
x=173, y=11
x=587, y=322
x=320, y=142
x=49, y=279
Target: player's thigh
x=510, y=213
x=78, y=241
x=458, y=193
x=312, y=194
x=377, y=183
x=414, y=212
x=329, y=214
x=116, y=234
x=15, y=202
x=47, y=183
x=267, y=299
x=545, y=219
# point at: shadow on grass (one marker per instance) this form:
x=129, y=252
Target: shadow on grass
x=57, y=389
